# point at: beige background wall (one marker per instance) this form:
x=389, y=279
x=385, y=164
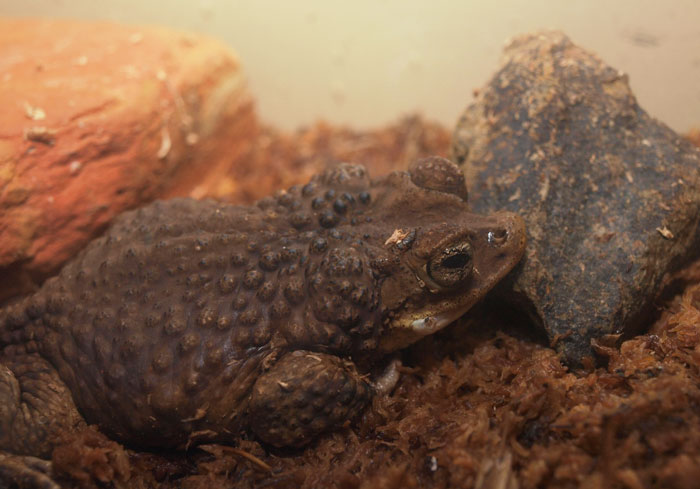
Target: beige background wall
x=365, y=62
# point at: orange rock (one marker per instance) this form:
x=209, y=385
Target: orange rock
x=97, y=118
x=694, y=136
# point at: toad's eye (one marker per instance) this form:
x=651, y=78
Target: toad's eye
x=451, y=266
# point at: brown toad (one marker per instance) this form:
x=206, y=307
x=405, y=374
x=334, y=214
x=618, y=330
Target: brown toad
x=193, y=321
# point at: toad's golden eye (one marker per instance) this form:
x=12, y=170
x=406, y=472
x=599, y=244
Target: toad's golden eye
x=451, y=266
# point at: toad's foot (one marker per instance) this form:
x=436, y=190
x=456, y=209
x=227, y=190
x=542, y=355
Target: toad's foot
x=385, y=383
x=305, y=394
x=25, y=472
x=35, y=407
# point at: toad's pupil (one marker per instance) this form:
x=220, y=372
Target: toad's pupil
x=458, y=260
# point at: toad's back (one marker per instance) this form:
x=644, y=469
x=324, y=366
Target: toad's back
x=137, y=325
x=160, y=327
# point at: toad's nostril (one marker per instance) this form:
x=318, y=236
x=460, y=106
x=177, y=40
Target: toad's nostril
x=497, y=237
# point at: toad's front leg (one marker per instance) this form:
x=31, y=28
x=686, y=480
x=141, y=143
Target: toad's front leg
x=303, y=395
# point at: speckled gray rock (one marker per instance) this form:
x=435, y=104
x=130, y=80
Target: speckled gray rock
x=610, y=195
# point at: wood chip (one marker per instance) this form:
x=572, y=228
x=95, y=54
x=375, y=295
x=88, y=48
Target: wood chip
x=665, y=232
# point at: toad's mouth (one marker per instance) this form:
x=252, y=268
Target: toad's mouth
x=410, y=330
x=431, y=324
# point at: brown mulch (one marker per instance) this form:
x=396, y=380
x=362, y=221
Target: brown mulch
x=282, y=159
x=483, y=404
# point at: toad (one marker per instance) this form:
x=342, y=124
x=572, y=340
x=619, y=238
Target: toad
x=197, y=321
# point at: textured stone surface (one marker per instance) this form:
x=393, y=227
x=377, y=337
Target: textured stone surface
x=610, y=195
x=98, y=118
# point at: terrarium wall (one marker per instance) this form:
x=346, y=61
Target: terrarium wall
x=366, y=62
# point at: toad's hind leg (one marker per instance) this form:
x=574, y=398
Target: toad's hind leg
x=305, y=394
x=36, y=407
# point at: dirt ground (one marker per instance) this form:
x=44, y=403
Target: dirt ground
x=483, y=404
